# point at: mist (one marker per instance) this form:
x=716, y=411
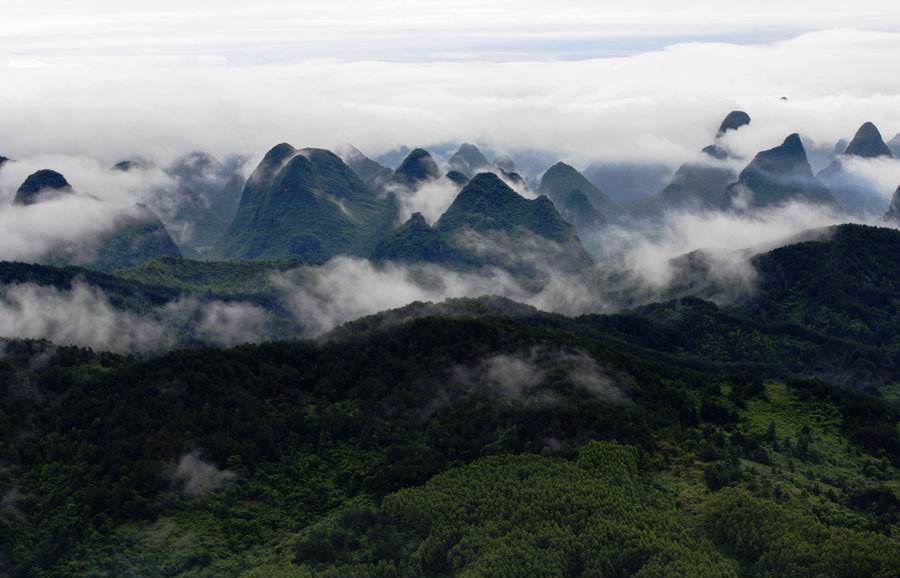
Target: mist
x=197, y=477
x=84, y=316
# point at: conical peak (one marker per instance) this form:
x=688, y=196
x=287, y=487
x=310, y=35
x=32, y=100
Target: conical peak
x=868, y=143
x=418, y=166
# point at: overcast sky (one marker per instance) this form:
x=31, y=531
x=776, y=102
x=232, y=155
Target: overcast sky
x=590, y=79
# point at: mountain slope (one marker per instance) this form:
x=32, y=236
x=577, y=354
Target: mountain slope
x=530, y=444
x=488, y=207
x=417, y=168
x=854, y=192
x=699, y=184
x=136, y=234
x=371, y=172
x=305, y=204
x=777, y=176
x=468, y=160
x=561, y=179
x=41, y=185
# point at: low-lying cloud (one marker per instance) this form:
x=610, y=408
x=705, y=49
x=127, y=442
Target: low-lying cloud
x=536, y=375
x=84, y=316
x=197, y=477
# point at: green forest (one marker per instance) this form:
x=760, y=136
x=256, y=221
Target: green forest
x=480, y=438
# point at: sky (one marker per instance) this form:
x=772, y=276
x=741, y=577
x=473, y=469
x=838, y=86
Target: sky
x=591, y=80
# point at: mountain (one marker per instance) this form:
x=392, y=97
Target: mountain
x=699, y=184
x=733, y=121
x=473, y=438
x=468, y=160
x=392, y=158
x=417, y=168
x=867, y=143
x=3, y=160
x=487, y=206
x=893, y=214
x=307, y=204
x=561, y=179
x=137, y=235
x=206, y=199
x=202, y=201
x=489, y=224
x=457, y=178
x=415, y=241
x=853, y=191
x=122, y=293
x=578, y=210
x=779, y=175
x=371, y=172
x=42, y=185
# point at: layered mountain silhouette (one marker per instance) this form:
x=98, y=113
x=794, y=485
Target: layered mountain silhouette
x=468, y=160
x=415, y=241
x=699, y=184
x=306, y=204
x=489, y=224
x=561, y=179
x=201, y=204
x=853, y=191
x=42, y=185
x=137, y=235
x=777, y=176
x=208, y=194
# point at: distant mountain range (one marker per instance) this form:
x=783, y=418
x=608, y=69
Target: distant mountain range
x=311, y=204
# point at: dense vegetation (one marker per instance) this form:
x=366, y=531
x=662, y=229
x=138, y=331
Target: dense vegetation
x=476, y=437
x=439, y=447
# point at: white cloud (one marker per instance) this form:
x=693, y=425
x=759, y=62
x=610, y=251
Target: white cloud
x=661, y=104
x=198, y=477
x=84, y=316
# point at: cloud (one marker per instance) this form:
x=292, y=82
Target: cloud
x=197, y=477
x=346, y=288
x=432, y=198
x=85, y=317
x=538, y=374
x=72, y=224
x=82, y=316
x=728, y=240
x=639, y=265
x=880, y=175
x=662, y=104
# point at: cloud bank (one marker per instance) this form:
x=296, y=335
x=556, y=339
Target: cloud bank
x=661, y=105
x=85, y=317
